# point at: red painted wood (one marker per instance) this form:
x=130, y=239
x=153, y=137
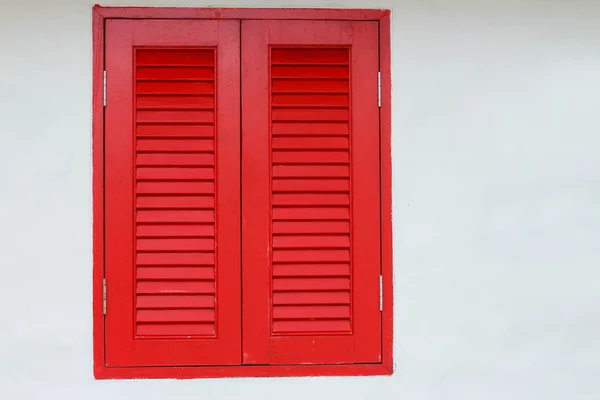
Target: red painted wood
x=175, y=230
x=312, y=241
x=310, y=100
x=166, y=130
x=323, y=161
x=299, y=298
x=311, y=142
x=189, y=315
x=310, y=213
x=298, y=269
x=197, y=329
x=310, y=171
x=174, y=202
x=98, y=188
x=366, y=244
x=175, y=273
x=175, y=244
x=179, y=302
x=101, y=372
x=387, y=267
x=175, y=287
x=314, y=128
x=255, y=194
x=329, y=349
x=303, y=312
x=240, y=13
x=176, y=102
x=205, y=258
x=170, y=173
x=322, y=227
x=172, y=222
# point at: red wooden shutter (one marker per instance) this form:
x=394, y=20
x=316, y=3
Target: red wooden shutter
x=310, y=192
x=172, y=193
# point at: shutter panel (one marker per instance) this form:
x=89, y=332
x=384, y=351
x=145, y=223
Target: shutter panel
x=172, y=184
x=175, y=185
x=310, y=189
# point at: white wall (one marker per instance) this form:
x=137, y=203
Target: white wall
x=496, y=151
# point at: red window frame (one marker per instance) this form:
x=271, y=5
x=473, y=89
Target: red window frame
x=99, y=17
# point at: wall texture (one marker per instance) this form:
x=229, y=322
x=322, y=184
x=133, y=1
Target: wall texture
x=496, y=137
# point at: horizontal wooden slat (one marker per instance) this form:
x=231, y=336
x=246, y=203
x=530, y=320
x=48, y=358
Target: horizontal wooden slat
x=310, y=157
x=171, y=88
x=309, y=114
x=298, y=227
x=175, y=131
x=310, y=312
x=281, y=270
x=188, y=315
x=175, y=259
x=310, y=284
x=294, y=326
x=299, y=298
x=310, y=241
x=172, y=230
x=177, y=73
x=179, y=244
x=189, y=202
x=185, y=187
x=167, y=216
x=185, y=116
x=175, y=57
x=150, y=102
x=175, y=159
x=175, y=301
x=313, y=185
x=175, y=173
x=166, y=145
x=311, y=142
x=173, y=329
x=312, y=100
x=175, y=273
x=311, y=213
x=311, y=199
x=175, y=287
x=318, y=256
x=310, y=128
x=298, y=86
x=309, y=55
x=305, y=71
x=311, y=171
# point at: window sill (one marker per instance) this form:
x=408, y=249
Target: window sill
x=101, y=372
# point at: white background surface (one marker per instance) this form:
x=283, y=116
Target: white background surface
x=496, y=161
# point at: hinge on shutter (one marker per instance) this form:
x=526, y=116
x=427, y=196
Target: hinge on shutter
x=104, y=296
x=379, y=89
x=104, y=90
x=380, y=293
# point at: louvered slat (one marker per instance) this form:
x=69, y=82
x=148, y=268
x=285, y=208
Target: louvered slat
x=311, y=193
x=175, y=192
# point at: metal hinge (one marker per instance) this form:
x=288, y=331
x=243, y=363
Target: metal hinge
x=380, y=293
x=104, y=90
x=104, y=296
x=379, y=89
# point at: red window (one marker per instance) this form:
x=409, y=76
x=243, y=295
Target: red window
x=241, y=193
